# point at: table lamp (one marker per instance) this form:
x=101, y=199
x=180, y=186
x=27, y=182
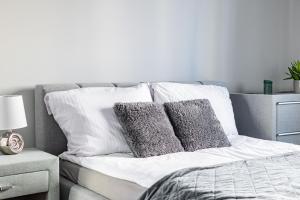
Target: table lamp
x=12, y=116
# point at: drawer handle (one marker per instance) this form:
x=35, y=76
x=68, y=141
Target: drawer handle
x=5, y=187
x=287, y=134
x=288, y=103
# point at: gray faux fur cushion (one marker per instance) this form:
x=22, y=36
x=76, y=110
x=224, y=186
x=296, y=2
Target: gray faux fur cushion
x=196, y=125
x=148, y=130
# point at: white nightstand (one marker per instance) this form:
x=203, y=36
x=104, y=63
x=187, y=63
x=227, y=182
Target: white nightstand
x=30, y=172
x=272, y=117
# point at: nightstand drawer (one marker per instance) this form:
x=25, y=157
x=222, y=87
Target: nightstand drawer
x=294, y=138
x=23, y=184
x=288, y=117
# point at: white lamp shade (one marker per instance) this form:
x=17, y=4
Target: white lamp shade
x=12, y=112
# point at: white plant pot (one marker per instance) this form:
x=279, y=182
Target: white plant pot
x=297, y=86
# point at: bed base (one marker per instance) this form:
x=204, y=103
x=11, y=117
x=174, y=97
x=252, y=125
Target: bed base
x=72, y=191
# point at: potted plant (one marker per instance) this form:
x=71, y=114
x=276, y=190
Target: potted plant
x=294, y=74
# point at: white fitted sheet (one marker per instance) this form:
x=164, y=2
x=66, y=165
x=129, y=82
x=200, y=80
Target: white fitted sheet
x=146, y=171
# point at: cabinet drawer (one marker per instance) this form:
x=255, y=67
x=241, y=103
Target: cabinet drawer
x=23, y=184
x=295, y=139
x=288, y=117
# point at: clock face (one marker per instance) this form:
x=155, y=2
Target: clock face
x=16, y=143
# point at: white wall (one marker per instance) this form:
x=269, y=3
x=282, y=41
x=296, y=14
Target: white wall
x=58, y=41
x=294, y=36
x=241, y=42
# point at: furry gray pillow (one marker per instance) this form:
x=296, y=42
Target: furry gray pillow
x=196, y=125
x=148, y=130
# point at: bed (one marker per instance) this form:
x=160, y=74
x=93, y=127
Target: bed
x=98, y=177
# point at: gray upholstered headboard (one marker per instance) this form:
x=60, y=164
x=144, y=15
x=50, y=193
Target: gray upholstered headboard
x=49, y=136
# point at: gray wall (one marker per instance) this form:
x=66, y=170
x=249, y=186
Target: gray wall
x=240, y=42
x=244, y=42
x=294, y=28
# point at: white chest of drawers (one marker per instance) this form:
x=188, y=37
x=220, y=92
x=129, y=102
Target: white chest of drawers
x=272, y=117
x=32, y=172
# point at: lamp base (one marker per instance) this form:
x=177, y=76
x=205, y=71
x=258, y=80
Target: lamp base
x=11, y=143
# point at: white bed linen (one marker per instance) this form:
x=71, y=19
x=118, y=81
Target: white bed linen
x=146, y=171
x=218, y=97
x=87, y=118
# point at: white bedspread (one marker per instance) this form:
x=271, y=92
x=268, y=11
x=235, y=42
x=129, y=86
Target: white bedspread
x=146, y=171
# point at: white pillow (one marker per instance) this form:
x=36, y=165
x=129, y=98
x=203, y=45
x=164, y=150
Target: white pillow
x=218, y=97
x=87, y=118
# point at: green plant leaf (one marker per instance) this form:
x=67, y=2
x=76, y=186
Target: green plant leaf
x=294, y=70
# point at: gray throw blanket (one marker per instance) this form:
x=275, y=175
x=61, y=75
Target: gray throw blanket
x=270, y=178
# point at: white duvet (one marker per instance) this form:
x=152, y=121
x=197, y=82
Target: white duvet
x=146, y=171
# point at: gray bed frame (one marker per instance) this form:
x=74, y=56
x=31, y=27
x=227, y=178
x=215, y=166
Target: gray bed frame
x=49, y=136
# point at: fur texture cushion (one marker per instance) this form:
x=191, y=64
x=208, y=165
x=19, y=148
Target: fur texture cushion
x=196, y=125
x=148, y=130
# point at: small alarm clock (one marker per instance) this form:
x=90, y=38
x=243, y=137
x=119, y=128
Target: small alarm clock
x=11, y=143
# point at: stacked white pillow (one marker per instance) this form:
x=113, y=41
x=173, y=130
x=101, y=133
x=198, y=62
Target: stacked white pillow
x=218, y=97
x=87, y=118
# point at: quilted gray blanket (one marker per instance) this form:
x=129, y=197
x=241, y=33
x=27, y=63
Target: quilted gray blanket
x=276, y=177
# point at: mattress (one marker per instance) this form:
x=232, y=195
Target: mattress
x=100, y=183
x=146, y=171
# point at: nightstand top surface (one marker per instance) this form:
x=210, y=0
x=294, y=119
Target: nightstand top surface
x=29, y=160
x=27, y=155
